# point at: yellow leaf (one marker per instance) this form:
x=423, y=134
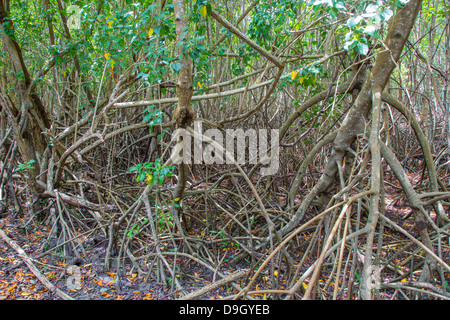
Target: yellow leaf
x=149, y=179
x=203, y=11
x=150, y=32
x=148, y=296
x=13, y=288
x=107, y=55
x=293, y=74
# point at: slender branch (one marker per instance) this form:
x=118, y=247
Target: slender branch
x=247, y=40
x=232, y=277
x=413, y=239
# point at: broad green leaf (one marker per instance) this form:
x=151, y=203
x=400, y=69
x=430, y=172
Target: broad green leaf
x=371, y=8
x=350, y=44
x=156, y=30
x=386, y=14
x=353, y=21
x=371, y=30
x=362, y=48
x=176, y=66
x=339, y=5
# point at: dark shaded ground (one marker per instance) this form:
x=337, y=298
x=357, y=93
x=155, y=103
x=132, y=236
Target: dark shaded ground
x=18, y=282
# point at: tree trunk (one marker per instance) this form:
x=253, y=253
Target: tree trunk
x=183, y=113
x=28, y=122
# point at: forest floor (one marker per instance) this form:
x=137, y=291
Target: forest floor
x=18, y=282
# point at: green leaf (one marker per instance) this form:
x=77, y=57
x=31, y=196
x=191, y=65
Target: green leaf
x=156, y=30
x=362, y=48
x=349, y=45
x=176, y=66
x=371, y=30
x=400, y=3
x=371, y=8
x=339, y=4
x=386, y=14
x=353, y=21
x=141, y=176
x=20, y=75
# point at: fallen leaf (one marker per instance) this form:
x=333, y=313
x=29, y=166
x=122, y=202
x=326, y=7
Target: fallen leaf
x=12, y=288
